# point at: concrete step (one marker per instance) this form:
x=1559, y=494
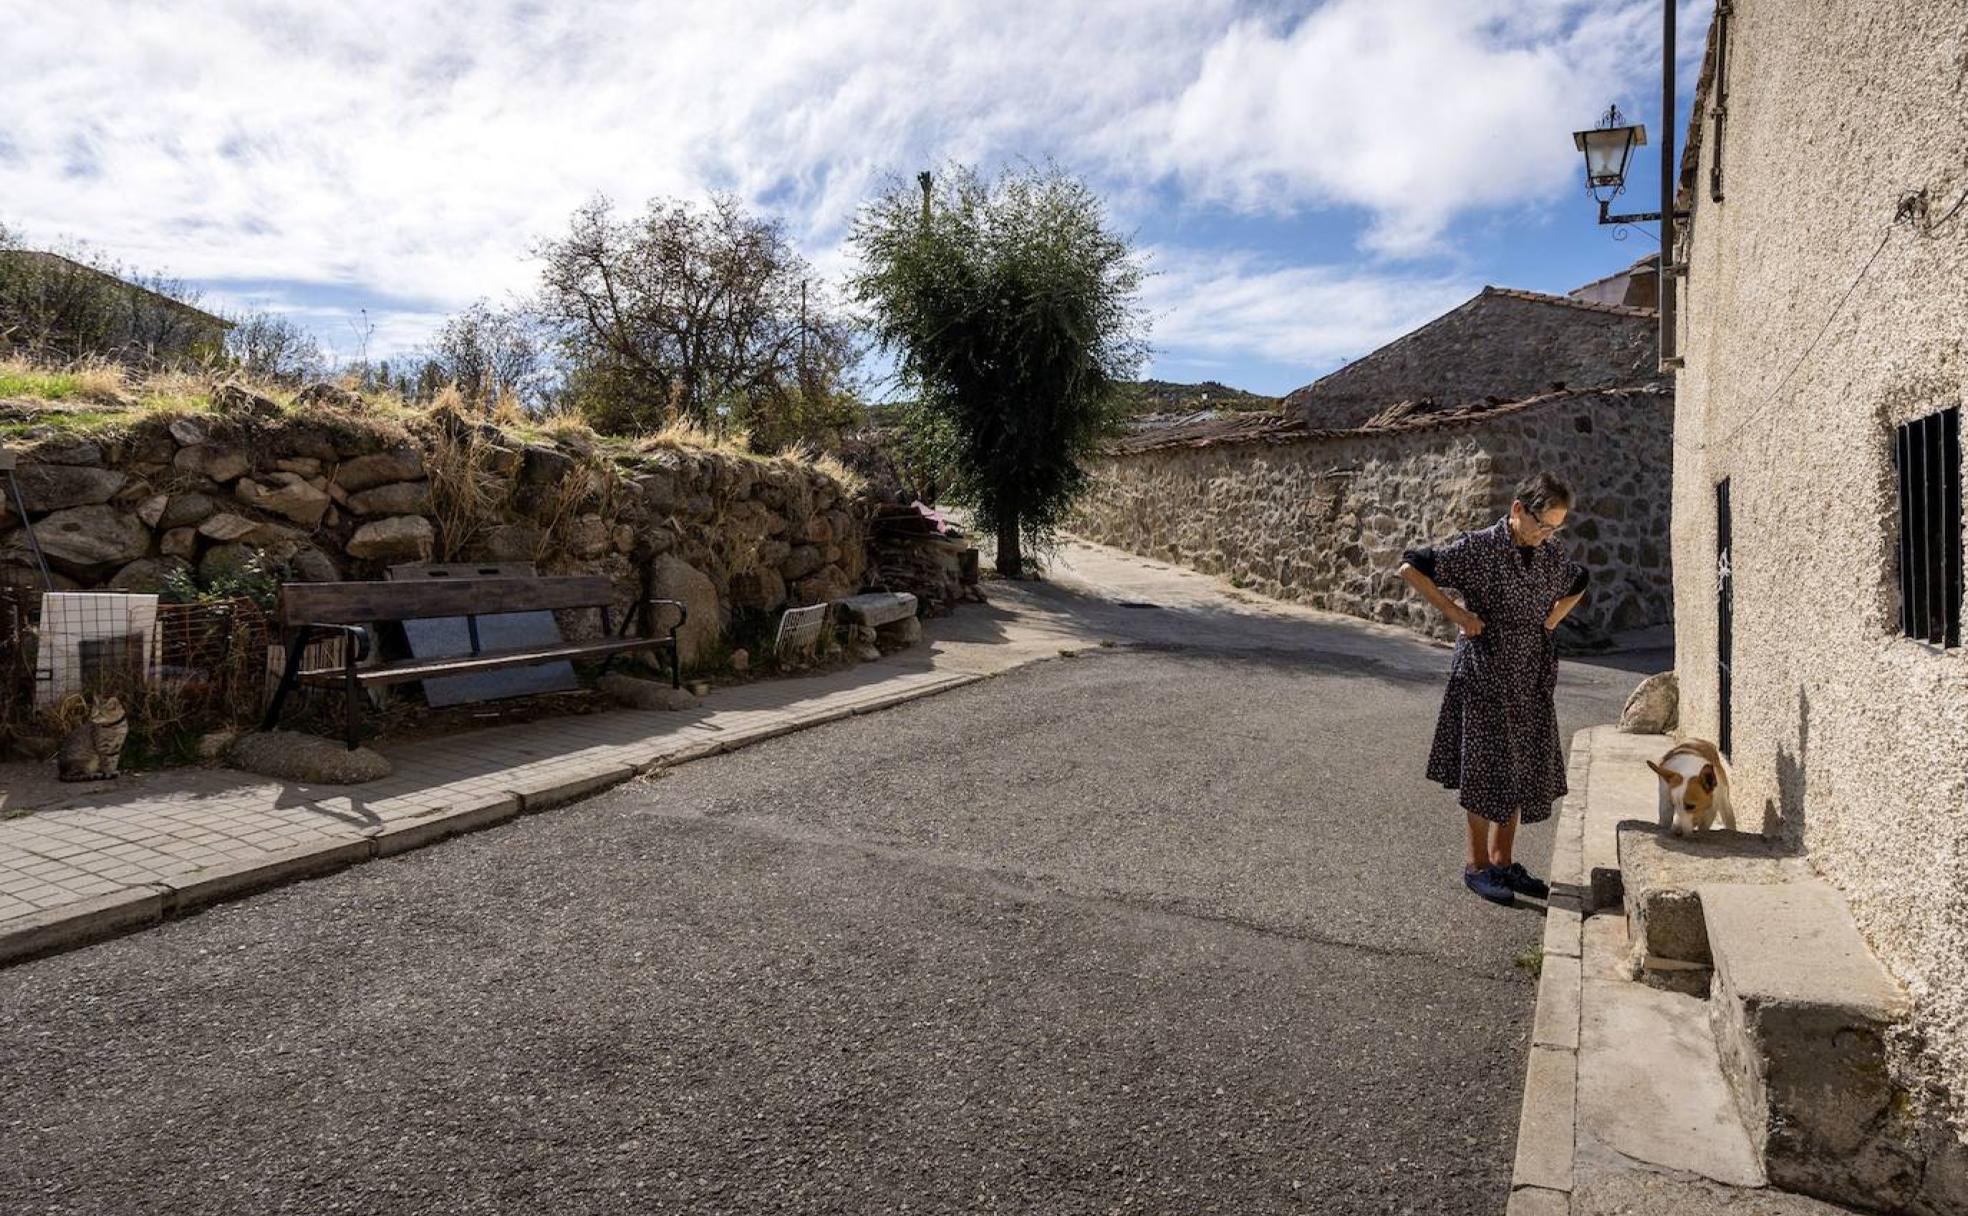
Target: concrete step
x=1659, y=874
x=1800, y=1012
x=1623, y=788
x=877, y=608
x=1650, y=1084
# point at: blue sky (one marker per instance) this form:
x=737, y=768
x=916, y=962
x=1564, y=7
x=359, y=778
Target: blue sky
x=1308, y=180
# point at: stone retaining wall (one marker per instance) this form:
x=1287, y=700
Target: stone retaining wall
x=1322, y=517
x=330, y=494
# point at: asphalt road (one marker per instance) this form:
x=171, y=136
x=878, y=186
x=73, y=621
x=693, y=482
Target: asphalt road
x=1161, y=928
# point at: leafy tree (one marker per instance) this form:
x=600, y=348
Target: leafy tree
x=1015, y=313
x=704, y=310
x=275, y=348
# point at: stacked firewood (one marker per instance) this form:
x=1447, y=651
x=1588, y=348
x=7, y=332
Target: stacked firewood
x=912, y=548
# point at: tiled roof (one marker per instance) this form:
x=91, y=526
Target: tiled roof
x=1395, y=419
x=1539, y=297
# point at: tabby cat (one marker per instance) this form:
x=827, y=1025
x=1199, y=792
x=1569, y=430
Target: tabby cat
x=92, y=749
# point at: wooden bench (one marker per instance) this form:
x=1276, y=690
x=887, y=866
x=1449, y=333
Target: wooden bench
x=309, y=612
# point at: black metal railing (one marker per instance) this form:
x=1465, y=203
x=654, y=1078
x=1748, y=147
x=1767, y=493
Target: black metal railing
x=1927, y=453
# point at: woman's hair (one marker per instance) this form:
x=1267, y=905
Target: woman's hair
x=1542, y=491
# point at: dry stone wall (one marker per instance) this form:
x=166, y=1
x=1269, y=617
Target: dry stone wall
x=337, y=497
x=1322, y=519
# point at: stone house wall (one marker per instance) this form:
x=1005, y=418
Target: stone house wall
x=1502, y=345
x=345, y=500
x=1849, y=738
x=1322, y=518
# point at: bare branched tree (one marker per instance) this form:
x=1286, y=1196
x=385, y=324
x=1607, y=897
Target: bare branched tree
x=705, y=306
x=272, y=347
x=491, y=352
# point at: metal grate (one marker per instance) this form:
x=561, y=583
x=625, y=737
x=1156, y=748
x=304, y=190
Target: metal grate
x=1927, y=454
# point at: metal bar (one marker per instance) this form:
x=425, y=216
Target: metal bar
x=27, y=528
x=1668, y=357
x=1720, y=109
x=353, y=691
x=1917, y=516
x=1937, y=613
x=296, y=648
x=471, y=628
x=1951, y=523
x=1903, y=460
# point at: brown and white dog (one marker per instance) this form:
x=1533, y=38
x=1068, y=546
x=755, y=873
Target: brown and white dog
x=1694, y=788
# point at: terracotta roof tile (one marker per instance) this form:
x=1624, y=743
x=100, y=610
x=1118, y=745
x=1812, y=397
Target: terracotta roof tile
x=1539, y=297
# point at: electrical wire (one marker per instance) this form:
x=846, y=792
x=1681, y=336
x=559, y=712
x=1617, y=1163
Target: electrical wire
x=1904, y=213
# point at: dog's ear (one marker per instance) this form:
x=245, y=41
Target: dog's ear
x=1667, y=775
x=1708, y=777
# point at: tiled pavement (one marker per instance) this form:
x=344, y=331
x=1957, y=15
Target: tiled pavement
x=106, y=861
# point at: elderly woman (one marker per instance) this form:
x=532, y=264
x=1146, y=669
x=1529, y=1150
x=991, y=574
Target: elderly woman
x=1496, y=741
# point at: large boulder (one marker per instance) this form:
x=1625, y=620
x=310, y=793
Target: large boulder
x=645, y=694
x=311, y=565
x=830, y=583
x=237, y=401
x=167, y=511
x=392, y=498
x=1654, y=708
x=672, y=578
x=511, y=543
x=545, y=466
x=758, y=590
x=586, y=536
x=179, y=542
x=379, y=468
x=70, y=450
x=212, y=462
x=95, y=535
x=52, y=487
x=322, y=394
x=398, y=538
x=291, y=756
x=226, y=561
x=226, y=527
x=802, y=561
x=284, y=494
x=147, y=574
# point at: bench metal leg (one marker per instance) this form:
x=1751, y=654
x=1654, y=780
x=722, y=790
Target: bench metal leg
x=676, y=661
x=295, y=649
x=354, y=692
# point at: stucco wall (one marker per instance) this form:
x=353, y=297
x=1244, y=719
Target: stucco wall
x=1324, y=520
x=1502, y=344
x=1848, y=737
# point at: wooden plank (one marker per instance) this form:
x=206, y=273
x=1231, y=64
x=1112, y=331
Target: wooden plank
x=362, y=603
x=401, y=673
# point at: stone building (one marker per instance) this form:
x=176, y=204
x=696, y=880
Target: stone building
x=1421, y=439
x=1503, y=345
x=1817, y=471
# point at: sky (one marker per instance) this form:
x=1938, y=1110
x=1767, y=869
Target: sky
x=1306, y=180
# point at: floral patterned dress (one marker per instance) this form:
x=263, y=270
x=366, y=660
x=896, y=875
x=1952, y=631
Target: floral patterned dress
x=1496, y=740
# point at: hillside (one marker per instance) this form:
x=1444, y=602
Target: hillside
x=1167, y=397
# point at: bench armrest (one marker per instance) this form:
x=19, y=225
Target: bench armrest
x=683, y=613
x=361, y=639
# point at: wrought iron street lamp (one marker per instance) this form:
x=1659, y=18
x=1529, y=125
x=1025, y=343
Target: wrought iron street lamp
x=1608, y=150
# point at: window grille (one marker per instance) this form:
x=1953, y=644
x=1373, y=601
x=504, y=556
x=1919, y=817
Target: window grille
x=1927, y=454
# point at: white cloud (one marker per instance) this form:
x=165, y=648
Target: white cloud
x=1412, y=110
x=1239, y=303
x=417, y=150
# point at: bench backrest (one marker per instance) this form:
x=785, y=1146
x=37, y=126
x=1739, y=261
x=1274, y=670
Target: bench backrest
x=361, y=603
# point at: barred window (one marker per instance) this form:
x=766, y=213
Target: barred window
x=1927, y=454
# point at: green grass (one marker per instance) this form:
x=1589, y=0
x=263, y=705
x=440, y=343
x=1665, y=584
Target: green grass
x=1531, y=959
x=46, y=385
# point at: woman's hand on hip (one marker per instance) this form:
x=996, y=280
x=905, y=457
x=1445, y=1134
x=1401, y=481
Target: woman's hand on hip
x=1467, y=621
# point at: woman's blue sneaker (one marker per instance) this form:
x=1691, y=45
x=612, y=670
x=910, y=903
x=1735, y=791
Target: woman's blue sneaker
x=1490, y=883
x=1524, y=882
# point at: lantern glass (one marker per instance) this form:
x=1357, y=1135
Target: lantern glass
x=1607, y=151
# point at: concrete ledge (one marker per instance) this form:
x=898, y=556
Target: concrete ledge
x=1537, y=1201
x=551, y=792
x=80, y=923
x=877, y=607
x=217, y=883
x=406, y=834
x=1659, y=873
x=1557, y=1023
x=1801, y=1014
x=1545, y=1129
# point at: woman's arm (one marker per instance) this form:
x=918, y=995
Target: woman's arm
x=1463, y=618
x=1560, y=609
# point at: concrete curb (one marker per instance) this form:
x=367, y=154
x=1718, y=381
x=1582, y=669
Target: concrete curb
x=89, y=921
x=1542, y=1176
